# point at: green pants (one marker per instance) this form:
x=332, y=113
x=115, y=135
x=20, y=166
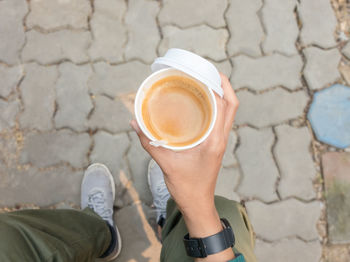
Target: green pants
x=71, y=235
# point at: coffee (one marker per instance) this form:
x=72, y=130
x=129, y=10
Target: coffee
x=177, y=110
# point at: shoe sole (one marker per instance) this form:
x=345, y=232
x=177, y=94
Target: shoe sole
x=119, y=239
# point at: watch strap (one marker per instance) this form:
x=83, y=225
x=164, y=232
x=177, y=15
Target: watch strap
x=202, y=247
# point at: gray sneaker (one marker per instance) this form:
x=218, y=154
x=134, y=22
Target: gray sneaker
x=98, y=193
x=159, y=190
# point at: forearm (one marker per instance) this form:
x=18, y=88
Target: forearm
x=203, y=222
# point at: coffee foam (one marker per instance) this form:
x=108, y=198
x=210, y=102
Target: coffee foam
x=177, y=110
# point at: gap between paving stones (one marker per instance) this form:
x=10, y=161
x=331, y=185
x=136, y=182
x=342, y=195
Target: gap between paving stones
x=25, y=35
x=226, y=44
x=90, y=62
x=160, y=31
x=285, y=122
x=92, y=6
x=291, y=237
x=278, y=179
x=124, y=24
x=263, y=27
x=259, y=92
x=55, y=30
x=194, y=25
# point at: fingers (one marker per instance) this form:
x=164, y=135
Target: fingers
x=155, y=152
x=217, y=131
x=220, y=117
x=231, y=104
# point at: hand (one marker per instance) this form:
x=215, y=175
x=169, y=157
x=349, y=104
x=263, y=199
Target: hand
x=191, y=175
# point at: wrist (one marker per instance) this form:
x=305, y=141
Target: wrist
x=207, y=229
x=202, y=221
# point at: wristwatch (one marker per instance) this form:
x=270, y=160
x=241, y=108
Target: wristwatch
x=202, y=247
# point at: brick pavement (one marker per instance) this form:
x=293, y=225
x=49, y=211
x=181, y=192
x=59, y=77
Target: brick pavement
x=69, y=71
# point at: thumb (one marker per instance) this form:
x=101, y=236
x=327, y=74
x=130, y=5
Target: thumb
x=156, y=152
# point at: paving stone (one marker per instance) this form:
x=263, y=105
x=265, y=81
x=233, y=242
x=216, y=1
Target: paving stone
x=203, y=40
x=321, y=67
x=284, y=250
x=267, y=71
x=229, y=158
x=259, y=170
x=47, y=149
x=329, y=116
x=109, y=33
x=282, y=219
x=139, y=240
x=245, y=27
x=56, y=14
x=262, y=110
x=319, y=23
x=138, y=161
x=223, y=67
x=118, y=80
x=336, y=170
x=12, y=36
x=113, y=9
x=41, y=187
x=57, y=46
x=8, y=112
x=294, y=159
x=143, y=34
x=110, y=150
x=281, y=26
x=227, y=182
x=190, y=13
x=111, y=115
x=38, y=96
x=346, y=50
x=10, y=77
x=73, y=99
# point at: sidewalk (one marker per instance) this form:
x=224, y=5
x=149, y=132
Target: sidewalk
x=69, y=71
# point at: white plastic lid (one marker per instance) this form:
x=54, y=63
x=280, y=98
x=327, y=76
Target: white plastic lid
x=193, y=65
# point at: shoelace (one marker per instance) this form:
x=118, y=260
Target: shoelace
x=96, y=202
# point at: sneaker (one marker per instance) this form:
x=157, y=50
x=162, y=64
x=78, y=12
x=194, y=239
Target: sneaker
x=159, y=190
x=98, y=193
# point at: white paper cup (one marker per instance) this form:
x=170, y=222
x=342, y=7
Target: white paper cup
x=147, y=83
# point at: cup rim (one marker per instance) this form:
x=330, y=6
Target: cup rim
x=149, y=135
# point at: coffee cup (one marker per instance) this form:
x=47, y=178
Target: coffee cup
x=175, y=107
